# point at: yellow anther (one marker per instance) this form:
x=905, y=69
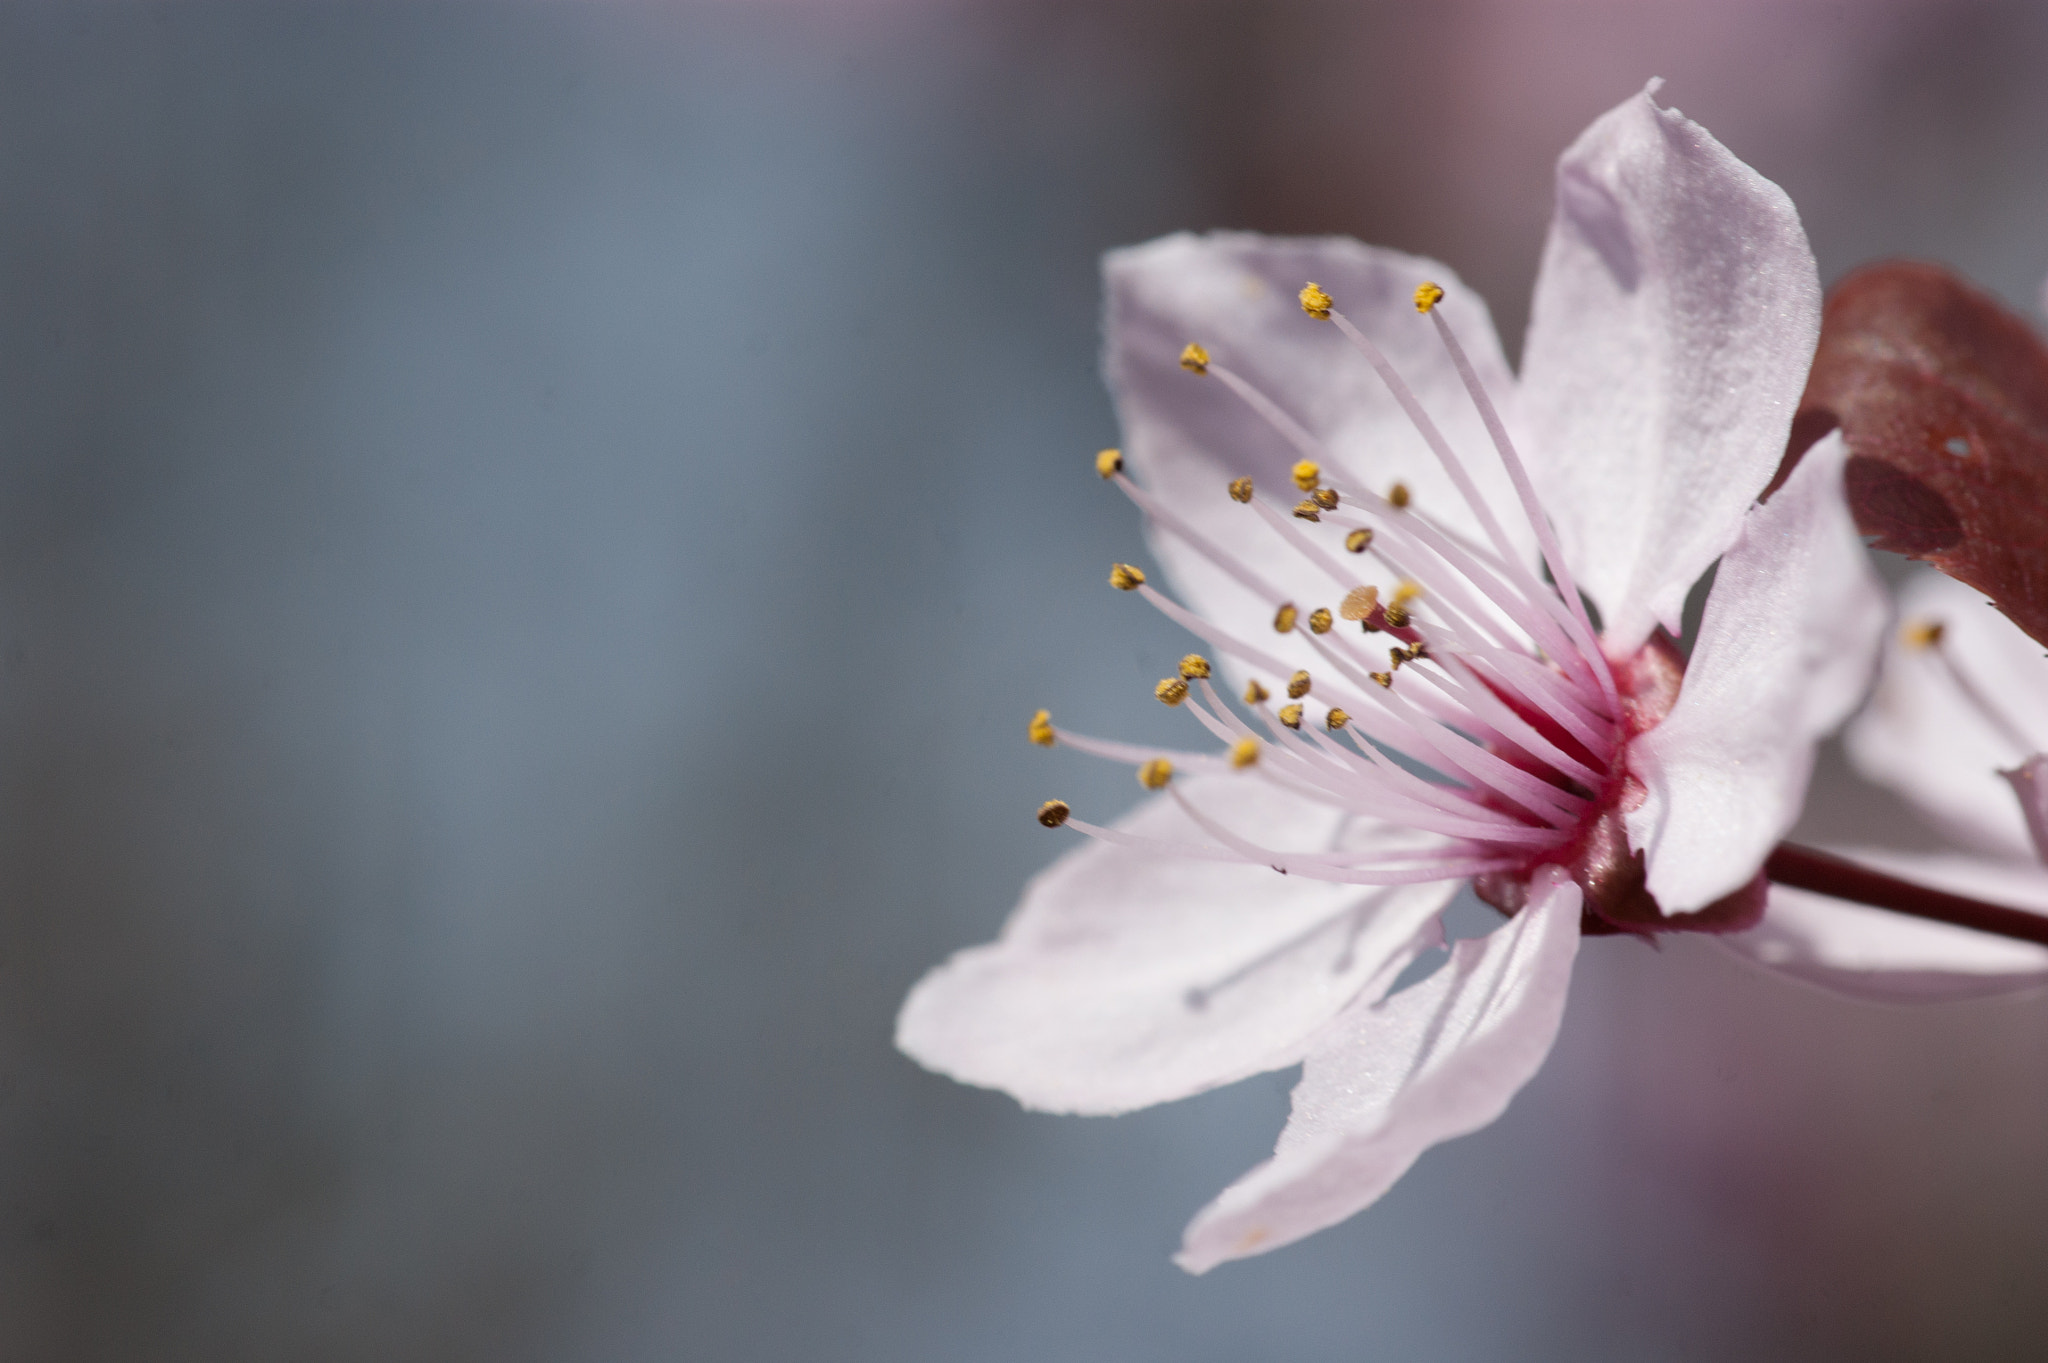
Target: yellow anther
x=1324, y=497
x=1397, y=496
x=1245, y=752
x=1172, y=690
x=1922, y=634
x=1155, y=774
x=1297, y=686
x=1358, y=541
x=1194, y=667
x=1284, y=618
x=1290, y=715
x=1194, y=359
x=1395, y=657
x=1396, y=617
x=1255, y=694
x=1125, y=578
x=1053, y=813
x=1109, y=463
x=1383, y=678
x=1315, y=301
x=1336, y=719
x=1320, y=620
x=1307, y=511
x=1041, y=731
x=1307, y=474
x=1427, y=296
x=1359, y=602
x=1408, y=589
x=1240, y=489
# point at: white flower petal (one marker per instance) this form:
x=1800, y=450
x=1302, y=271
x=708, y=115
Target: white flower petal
x=1389, y=1080
x=1082, y=1004
x=1784, y=652
x=1187, y=436
x=1894, y=958
x=1922, y=736
x=1674, y=319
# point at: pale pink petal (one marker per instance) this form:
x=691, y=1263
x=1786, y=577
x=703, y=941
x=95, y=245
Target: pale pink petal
x=1389, y=1080
x=2029, y=782
x=1082, y=1005
x=1925, y=738
x=1186, y=436
x=1674, y=320
x=1784, y=653
x=1894, y=958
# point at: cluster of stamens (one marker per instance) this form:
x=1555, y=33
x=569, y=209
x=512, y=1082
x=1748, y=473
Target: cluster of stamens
x=1494, y=720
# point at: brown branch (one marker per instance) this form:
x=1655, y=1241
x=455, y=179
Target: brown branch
x=1803, y=868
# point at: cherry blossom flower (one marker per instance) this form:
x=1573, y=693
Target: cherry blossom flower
x=1387, y=542
x=1958, y=726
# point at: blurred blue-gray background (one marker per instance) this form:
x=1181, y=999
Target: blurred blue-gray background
x=528, y=536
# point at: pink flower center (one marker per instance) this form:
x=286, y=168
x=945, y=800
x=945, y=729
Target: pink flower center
x=1469, y=722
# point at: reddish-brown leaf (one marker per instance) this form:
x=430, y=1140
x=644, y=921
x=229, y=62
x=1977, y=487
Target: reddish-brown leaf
x=1942, y=396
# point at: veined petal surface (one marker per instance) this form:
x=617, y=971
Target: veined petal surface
x=1389, y=1080
x=1082, y=1005
x=1674, y=319
x=1784, y=653
x=1886, y=957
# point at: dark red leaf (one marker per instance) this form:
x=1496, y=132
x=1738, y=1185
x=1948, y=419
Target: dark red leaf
x=1942, y=396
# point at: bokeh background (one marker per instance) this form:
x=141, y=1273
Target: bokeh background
x=528, y=535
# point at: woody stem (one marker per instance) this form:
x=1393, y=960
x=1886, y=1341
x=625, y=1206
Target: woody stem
x=1803, y=868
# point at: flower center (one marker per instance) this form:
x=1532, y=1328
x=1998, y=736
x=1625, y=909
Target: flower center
x=1466, y=719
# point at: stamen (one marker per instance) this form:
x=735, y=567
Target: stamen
x=1241, y=489
x=1315, y=301
x=1109, y=463
x=1284, y=618
x=1518, y=475
x=1467, y=489
x=1336, y=719
x=1358, y=541
x=1929, y=636
x=1194, y=359
x=1307, y=511
x=1155, y=774
x=1420, y=874
x=1290, y=715
x=1287, y=863
x=1194, y=667
x=1325, y=498
x=1195, y=539
x=1246, y=752
x=1053, y=813
x=1298, y=686
x=1398, y=496
x=1320, y=620
x=1919, y=635
x=1126, y=578
x=1222, y=640
x=1255, y=694
x=1172, y=690
x=1136, y=754
x=1041, y=731
x=1307, y=474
